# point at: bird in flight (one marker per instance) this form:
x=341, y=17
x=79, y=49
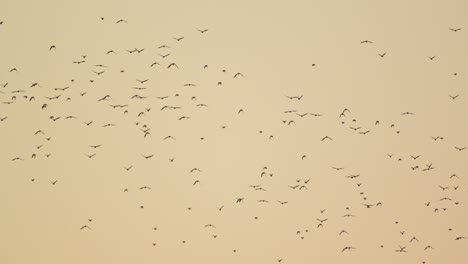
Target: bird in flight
x=147, y=157
x=347, y=249
x=460, y=149
x=238, y=74
x=202, y=30
x=172, y=64
x=294, y=97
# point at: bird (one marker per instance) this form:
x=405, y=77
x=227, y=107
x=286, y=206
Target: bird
x=172, y=64
x=294, y=97
x=52, y=48
x=202, y=30
x=347, y=249
x=455, y=29
x=147, y=157
x=402, y=249
x=238, y=74
x=343, y=232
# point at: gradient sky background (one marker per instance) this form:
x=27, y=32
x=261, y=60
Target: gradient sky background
x=273, y=44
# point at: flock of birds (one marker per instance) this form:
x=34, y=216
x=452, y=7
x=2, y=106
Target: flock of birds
x=140, y=108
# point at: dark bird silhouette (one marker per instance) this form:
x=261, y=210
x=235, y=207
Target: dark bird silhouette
x=147, y=157
x=347, y=249
x=238, y=74
x=172, y=64
x=294, y=97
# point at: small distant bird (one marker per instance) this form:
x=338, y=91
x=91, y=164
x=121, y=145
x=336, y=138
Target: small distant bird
x=172, y=64
x=147, y=157
x=52, y=48
x=238, y=74
x=347, y=249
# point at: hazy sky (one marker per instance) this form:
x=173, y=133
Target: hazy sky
x=263, y=167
